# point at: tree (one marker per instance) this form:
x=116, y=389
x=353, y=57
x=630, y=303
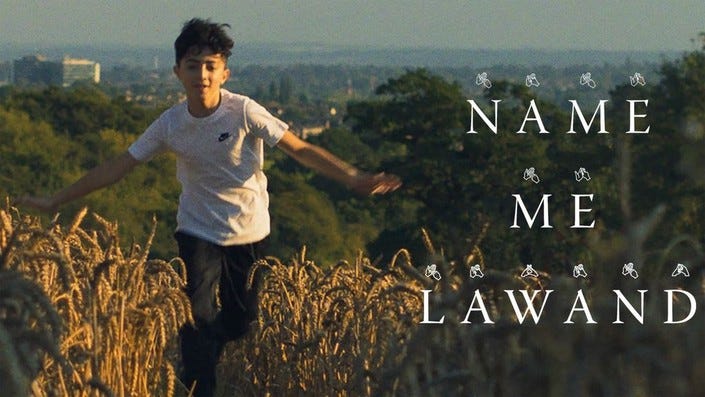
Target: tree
x=455, y=182
x=32, y=156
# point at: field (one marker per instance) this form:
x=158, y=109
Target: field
x=82, y=315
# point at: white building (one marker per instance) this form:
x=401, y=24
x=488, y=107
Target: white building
x=73, y=70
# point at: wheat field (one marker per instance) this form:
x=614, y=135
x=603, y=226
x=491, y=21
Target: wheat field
x=107, y=318
x=80, y=315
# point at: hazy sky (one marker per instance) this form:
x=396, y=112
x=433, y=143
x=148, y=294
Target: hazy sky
x=569, y=24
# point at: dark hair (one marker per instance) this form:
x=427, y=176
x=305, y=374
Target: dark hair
x=198, y=34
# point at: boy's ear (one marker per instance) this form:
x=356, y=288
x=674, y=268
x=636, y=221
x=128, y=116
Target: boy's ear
x=176, y=69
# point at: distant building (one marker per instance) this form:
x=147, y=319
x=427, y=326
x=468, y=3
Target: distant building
x=73, y=70
x=36, y=69
x=5, y=73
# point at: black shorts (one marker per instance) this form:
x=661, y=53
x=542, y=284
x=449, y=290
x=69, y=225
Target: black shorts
x=221, y=304
x=219, y=273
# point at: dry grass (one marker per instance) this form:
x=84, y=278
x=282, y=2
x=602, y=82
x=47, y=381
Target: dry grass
x=118, y=311
x=348, y=330
x=328, y=332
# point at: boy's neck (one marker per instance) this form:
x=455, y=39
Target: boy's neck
x=203, y=107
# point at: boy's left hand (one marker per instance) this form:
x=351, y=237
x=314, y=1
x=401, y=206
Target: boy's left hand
x=369, y=184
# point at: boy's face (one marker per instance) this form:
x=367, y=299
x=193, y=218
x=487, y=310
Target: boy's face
x=202, y=74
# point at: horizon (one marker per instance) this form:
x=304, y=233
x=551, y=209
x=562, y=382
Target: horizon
x=352, y=55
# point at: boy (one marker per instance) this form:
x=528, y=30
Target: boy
x=218, y=138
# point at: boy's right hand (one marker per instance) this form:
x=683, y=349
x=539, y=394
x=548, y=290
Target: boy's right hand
x=44, y=204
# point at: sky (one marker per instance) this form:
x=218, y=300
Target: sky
x=647, y=25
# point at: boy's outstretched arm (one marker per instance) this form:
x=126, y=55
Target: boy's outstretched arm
x=325, y=163
x=101, y=176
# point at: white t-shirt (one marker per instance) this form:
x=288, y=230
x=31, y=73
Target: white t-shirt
x=219, y=162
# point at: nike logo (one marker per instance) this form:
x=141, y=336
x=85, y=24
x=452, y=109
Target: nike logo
x=223, y=136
